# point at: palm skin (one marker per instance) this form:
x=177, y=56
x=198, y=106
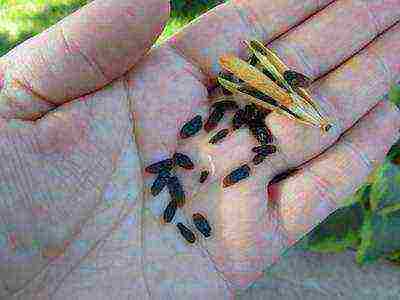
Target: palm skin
x=74, y=194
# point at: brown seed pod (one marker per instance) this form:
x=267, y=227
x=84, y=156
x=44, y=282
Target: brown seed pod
x=219, y=136
x=186, y=233
x=165, y=165
x=236, y=175
x=183, y=161
x=192, y=127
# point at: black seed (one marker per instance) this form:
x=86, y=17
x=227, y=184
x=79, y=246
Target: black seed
x=250, y=111
x=264, y=150
x=224, y=105
x=283, y=175
x=239, y=119
x=219, y=136
x=259, y=95
x=258, y=158
x=236, y=175
x=230, y=77
x=160, y=182
x=202, y=224
x=213, y=120
x=203, y=176
x=176, y=191
x=252, y=60
x=296, y=79
x=327, y=127
x=186, y=233
x=170, y=211
x=262, y=134
x=183, y=161
x=191, y=127
x=165, y=165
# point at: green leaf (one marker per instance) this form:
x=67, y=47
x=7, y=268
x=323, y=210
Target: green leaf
x=339, y=231
x=362, y=195
x=394, y=94
x=385, y=191
x=379, y=237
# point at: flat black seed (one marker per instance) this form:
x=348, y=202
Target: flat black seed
x=186, y=233
x=264, y=150
x=262, y=134
x=183, y=161
x=176, y=191
x=283, y=175
x=236, y=175
x=250, y=111
x=224, y=105
x=219, y=136
x=170, y=211
x=296, y=79
x=192, y=127
x=259, y=95
x=202, y=224
x=239, y=119
x=253, y=60
x=213, y=120
x=166, y=165
x=230, y=77
x=203, y=176
x=160, y=182
x=258, y=158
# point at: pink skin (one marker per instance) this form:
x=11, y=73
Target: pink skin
x=72, y=181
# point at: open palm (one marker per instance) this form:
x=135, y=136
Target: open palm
x=77, y=217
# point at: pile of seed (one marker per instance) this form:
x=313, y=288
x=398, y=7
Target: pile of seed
x=250, y=116
x=164, y=178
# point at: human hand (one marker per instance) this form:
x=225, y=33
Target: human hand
x=90, y=159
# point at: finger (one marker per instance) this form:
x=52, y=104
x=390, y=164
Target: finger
x=318, y=189
x=327, y=38
x=78, y=55
x=251, y=228
x=224, y=28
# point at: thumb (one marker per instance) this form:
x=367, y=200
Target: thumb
x=78, y=55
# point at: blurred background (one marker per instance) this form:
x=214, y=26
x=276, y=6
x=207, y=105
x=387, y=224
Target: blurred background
x=368, y=224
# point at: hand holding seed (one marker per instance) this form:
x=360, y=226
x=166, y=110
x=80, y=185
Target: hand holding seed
x=87, y=114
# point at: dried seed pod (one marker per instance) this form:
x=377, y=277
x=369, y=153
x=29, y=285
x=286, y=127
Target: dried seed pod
x=176, y=191
x=213, y=120
x=239, y=119
x=183, y=161
x=163, y=165
x=258, y=158
x=170, y=211
x=262, y=134
x=236, y=175
x=224, y=105
x=219, y=136
x=264, y=149
x=192, y=127
x=296, y=79
x=203, y=176
x=186, y=233
x=283, y=175
x=201, y=224
x=160, y=182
